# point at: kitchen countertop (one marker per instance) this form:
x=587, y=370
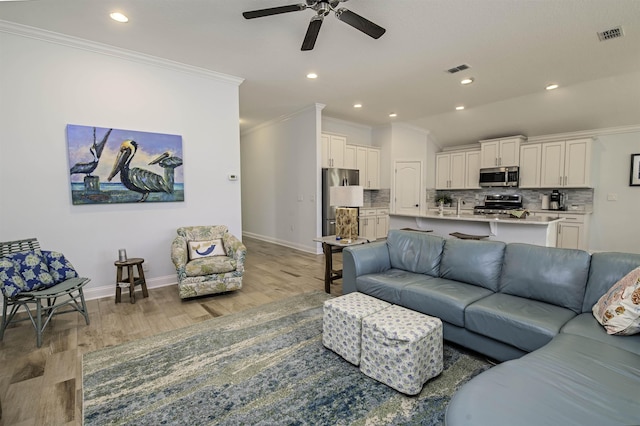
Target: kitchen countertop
x=469, y=216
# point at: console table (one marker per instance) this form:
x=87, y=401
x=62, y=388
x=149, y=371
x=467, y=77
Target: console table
x=330, y=246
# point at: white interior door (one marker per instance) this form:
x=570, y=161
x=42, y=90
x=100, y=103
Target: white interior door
x=408, y=175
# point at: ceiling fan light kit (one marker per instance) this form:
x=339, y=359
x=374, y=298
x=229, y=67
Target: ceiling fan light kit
x=322, y=9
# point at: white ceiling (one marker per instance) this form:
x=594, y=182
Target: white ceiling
x=514, y=47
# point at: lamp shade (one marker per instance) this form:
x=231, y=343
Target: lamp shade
x=346, y=196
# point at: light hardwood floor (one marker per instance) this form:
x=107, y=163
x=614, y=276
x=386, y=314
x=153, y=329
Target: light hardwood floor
x=43, y=386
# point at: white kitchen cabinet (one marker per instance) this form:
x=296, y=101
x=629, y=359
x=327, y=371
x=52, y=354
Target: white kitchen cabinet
x=350, y=157
x=472, y=178
x=500, y=152
x=374, y=223
x=368, y=162
x=530, y=165
x=573, y=231
x=566, y=164
x=333, y=150
x=451, y=170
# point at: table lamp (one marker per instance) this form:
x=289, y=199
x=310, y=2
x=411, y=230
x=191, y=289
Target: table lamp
x=346, y=199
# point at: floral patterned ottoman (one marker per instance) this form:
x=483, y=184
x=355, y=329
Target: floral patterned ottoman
x=401, y=348
x=342, y=323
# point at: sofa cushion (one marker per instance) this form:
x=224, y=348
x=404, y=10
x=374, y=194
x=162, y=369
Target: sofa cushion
x=571, y=381
x=415, y=251
x=11, y=280
x=607, y=269
x=523, y=323
x=210, y=266
x=618, y=310
x=442, y=298
x=59, y=267
x=586, y=325
x=473, y=262
x=33, y=268
x=388, y=285
x=553, y=275
x=199, y=249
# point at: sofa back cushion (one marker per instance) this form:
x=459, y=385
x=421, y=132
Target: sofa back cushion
x=473, y=262
x=414, y=251
x=553, y=275
x=606, y=270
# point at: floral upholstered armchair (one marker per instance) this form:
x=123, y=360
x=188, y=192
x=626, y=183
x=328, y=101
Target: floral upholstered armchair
x=208, y=259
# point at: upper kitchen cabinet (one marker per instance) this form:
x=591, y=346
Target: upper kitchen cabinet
x=472, y=178
x=333, y=150
x=500, y=152
x=451, y=170
x=350, y=157
x=368, y=162
x=530, y=165
x=566, y=164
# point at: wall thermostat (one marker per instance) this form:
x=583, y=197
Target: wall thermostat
x=233, y=177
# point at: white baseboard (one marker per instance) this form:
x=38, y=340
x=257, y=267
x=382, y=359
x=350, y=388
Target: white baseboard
x=307, y=249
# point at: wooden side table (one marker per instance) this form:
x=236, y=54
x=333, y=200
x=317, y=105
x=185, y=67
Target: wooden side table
x=330, y=246
x=130, y=279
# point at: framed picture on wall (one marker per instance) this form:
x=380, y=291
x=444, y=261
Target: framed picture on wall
x=634, y=179
x=108, y=166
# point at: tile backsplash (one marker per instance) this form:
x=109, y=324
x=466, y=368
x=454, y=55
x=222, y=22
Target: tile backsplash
x=579, y=199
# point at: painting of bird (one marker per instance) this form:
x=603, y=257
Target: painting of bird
x=96, y=152
x=169, y=163
x=136, y=179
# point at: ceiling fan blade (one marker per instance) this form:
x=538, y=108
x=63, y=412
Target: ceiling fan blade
x=360, y=23
x=274, y=11
x=312, y=33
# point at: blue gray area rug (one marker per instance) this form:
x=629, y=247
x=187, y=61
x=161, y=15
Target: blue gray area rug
x=264, y=366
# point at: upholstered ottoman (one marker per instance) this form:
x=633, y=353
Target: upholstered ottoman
x=401, y=348
x=342, y=323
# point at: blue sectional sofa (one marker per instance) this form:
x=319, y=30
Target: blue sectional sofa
x=527, y=305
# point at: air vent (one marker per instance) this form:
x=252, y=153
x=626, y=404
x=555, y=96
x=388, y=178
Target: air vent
x=458, y=68
x=609, y=34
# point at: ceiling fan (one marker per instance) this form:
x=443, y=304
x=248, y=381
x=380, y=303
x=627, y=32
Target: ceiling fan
x=322, y=8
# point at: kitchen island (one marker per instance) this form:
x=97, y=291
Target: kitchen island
x=538, y=230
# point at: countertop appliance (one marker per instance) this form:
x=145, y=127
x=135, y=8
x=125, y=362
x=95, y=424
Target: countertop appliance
x=499, y=204
x=499, y=176
x=556, y=200
x=334, y=177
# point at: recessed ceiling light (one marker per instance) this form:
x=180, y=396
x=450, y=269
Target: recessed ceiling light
x=393, y=115
x=459, y=108
x=117, y=16
x=466, y=81
x=551, y=86
x=312, y=75
x=357, y=105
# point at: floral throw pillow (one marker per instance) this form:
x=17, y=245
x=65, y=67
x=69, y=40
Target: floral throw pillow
x=198, y=249
x=33, y=269
x=10, y=279
x=59, y=267
x=618, y=310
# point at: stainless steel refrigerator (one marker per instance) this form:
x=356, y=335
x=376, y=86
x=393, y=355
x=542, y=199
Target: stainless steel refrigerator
x=334, y=177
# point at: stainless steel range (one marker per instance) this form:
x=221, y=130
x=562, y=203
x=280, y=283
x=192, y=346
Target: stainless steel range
x=499, y=204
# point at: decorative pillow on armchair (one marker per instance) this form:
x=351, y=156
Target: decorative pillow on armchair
x=618, y=310
x=198, y=249
x=33, y=269
x=11, y=281
x=59, y=267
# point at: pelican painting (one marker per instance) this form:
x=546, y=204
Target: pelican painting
x=137, y=179
x=96, y=151
x=127, y=166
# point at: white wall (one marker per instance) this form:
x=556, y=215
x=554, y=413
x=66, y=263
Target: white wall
x=48, y=81
x=357, y=134
x=281, y=180
x=615, y=225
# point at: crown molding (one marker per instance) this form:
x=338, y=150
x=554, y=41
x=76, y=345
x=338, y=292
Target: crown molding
x=105, y=49
x=594, y=133
x=317, y=107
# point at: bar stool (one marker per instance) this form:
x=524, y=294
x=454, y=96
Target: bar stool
x=462, y=236
x=130, y=279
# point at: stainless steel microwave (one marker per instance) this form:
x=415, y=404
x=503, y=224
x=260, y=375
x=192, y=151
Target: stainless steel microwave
x=500, y=176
